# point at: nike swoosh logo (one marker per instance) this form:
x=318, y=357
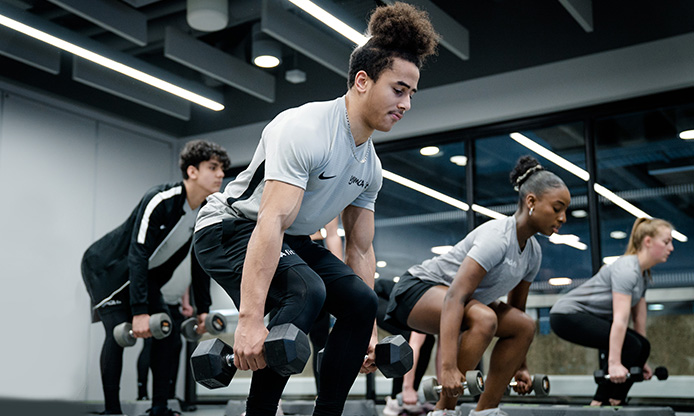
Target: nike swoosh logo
x=323, y=177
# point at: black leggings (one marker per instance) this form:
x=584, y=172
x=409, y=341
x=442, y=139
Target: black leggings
x=162, y=354
x=594, y=332
x=308, y=278
x=143, y=361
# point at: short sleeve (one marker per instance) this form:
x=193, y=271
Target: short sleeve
x=290, y=155
x=486, y=249
x=624, y=277
x=367, y=199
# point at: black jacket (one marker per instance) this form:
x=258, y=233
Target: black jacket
x=119, y=259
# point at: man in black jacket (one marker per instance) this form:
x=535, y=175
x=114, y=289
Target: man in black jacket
x=125, y=270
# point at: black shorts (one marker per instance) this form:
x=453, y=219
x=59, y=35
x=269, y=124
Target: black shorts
x=405, y=295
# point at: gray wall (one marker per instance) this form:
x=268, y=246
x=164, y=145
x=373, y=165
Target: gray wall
x=68, y=176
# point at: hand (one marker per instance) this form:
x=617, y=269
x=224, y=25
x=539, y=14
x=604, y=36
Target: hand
x=452, y=382
x=647, y=372
x=409, y=396
x=141, y=326
x=524, y=383
x=369, y=364
x=201, y=323
x=187, y=310
x=618, y=373
x=248, y=345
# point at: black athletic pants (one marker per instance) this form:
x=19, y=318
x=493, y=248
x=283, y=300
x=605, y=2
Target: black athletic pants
x=594, y=332
x=308, y=277
x=143, y=361
x=162, y=354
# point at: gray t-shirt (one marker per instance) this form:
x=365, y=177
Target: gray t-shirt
x=310, y=147
x=595, y=296
x=494, y=246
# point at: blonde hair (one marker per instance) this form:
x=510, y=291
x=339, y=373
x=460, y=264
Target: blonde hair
x=644, y=227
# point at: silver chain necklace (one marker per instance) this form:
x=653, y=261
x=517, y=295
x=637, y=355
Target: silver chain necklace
x=353, y=143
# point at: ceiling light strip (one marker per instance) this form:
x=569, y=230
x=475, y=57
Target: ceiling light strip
x=331, y=21
x=109, y=63
x=426, y=191
x=581, y=173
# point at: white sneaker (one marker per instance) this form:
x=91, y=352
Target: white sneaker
x=488, y=412
x=392, y=407
x=444, y=412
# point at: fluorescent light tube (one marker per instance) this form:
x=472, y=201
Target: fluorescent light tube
x=111, y=64
x=331, y=21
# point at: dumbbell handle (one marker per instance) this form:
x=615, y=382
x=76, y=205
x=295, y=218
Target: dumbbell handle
x=607, y=376
x=439, y=387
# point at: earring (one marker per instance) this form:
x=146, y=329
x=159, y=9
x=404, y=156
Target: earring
x=531, y=211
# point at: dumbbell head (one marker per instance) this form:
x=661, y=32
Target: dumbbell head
x=215, y=323
x=661, y=373
x=475, y=382
x=394, y=356
x=636, y=374
x=212, y=363
x=428, y=389
x=188, y=330
x=160, y=325
x=287, y=349
x=541, y=385
x=123, y=335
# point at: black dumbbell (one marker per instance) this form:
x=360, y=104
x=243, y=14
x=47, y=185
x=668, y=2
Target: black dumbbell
x=474, y=383
x=286, y=351
x=635, y=374
x=215, y=324
x=540, y=385
x=661, y=373
x=159, y=326
x=394, y=356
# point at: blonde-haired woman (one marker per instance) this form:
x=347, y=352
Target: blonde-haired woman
x=596, y=314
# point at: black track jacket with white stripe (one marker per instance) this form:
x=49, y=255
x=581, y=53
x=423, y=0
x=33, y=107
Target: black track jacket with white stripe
x=121, y=257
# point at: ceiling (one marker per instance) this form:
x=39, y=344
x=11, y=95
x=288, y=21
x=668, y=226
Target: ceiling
x=504, y=35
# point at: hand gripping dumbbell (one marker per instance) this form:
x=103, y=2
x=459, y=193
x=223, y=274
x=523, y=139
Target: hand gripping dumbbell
x=394, y=356
x=540, y=385
x=474, y=383
x=635, y=374
x=286, y=351
x=159, y=326
x=215, y=324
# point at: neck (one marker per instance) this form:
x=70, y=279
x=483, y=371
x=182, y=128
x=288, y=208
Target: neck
x=645, y=262
x=523, y=228
x=194, y=195
x=360, y=131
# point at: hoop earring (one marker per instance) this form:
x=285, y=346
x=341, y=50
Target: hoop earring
x=530, y=213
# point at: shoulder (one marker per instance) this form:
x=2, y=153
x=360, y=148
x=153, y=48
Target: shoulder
x=306, y=118
x=163, y=192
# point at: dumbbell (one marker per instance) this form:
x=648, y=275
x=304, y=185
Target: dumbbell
x=635, y=373
x=540, y=385
x=394, y=356
x=159, y=326
x=215, y=324
x=286, y=352
x=474, y=383
x=420, y=398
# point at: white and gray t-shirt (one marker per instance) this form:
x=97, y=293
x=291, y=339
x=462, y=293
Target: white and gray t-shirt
x=494, y=246
x=595, y=296
x=310, y=147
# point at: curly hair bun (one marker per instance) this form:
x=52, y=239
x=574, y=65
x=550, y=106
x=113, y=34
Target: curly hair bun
x=524, y=164
x=405, y=28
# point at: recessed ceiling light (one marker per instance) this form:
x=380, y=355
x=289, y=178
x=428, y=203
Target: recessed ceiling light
x=656, y=307
x=381, y=263
x=560, y=281
x=579, y=213
x=459, y=160
x=429, y=151
x=396, y=279
x=377, y=275
x=618, y=235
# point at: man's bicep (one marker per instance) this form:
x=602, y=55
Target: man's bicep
x=282, y=200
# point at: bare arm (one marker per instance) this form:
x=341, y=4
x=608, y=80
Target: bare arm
x=359, y=255
x=518, y=298
x=333, y=241
x=638, y=316
x=278, y=209
x=466, y=280
x=621, y=307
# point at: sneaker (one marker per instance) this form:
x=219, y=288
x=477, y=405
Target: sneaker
x=488, y=412
x=392, y=407
x=279, y=410
x=444, y=412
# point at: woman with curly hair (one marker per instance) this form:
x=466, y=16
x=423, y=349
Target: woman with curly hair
x=312, y=163
x=456, y=295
